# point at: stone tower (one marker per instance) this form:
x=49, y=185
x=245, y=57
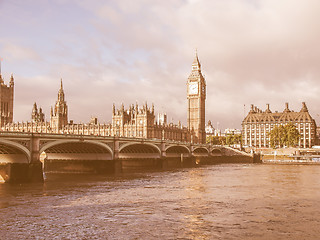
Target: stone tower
x=196, y=94
x=59, y=115
x=37, y=116
x=6, y=101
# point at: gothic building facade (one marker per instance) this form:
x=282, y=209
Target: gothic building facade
x=257, y=125
x=140, y=122
x=6, y=101
x=135, y=122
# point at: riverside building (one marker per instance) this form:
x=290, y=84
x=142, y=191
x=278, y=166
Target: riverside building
x=6, y=101
x=257, y=125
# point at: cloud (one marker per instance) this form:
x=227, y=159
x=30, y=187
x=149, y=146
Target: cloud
x=126, y=51
x=16, y=52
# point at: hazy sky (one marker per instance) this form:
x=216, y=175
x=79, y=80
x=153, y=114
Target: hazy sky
x=118, y=51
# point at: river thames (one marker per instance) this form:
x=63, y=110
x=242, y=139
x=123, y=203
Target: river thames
x=227, y=201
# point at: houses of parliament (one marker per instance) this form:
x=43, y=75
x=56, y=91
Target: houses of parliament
x=133, y=122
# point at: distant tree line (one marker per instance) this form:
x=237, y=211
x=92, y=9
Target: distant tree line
x=216, y=140
x=230, y=139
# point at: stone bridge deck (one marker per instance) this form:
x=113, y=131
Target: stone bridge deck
x=23, y=156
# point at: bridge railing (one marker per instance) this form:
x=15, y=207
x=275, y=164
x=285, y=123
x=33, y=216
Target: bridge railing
x=81, y=136
x=72, y=135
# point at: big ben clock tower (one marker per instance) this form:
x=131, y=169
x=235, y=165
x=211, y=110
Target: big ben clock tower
x=196, y=94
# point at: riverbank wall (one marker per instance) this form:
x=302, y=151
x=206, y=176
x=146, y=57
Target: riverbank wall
x=289, y=155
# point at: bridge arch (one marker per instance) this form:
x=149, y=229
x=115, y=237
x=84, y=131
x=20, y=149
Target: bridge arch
x=200, y=150
x=139, y=148
x=75, y=142
x=81, y=156
x=14, y=152
x=139, y=151
x=216, y=151
x=177, y=149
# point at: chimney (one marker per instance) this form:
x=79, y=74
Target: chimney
x=304, y=107
x=268, y=108
x=286, y=110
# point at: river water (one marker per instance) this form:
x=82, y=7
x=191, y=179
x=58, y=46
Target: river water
x=227, y=201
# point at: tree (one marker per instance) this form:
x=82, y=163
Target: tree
x=281, y=136
x=274, y=139
x=237, y=139
x=216, y=140
x=232, y=139
x=293, y=135
x=277, y=136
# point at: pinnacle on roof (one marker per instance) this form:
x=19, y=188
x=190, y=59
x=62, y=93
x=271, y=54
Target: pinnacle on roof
x=11, y=80
x=61, y=92
x=35, y=108
x=196, y=61
x=61, y=86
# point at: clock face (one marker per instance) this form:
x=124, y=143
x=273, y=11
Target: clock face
x=193, y=88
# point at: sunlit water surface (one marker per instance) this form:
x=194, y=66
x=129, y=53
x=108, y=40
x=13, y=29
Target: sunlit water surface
x=230, y=201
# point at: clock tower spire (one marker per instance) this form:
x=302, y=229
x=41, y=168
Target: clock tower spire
x=196, y=95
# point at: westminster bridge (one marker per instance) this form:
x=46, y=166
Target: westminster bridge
x=25, y=156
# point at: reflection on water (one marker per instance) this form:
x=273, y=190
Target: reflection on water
x=222, y=201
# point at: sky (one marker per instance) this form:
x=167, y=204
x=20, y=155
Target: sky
x=124, y=51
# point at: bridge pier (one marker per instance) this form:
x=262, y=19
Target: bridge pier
x=163, y=157
x=116, y=160
x=18, y=168
x=14, y=172
x=117, y=166
x=35, y=168
x=35, y=172
x=21, y=172
x=164, y=163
